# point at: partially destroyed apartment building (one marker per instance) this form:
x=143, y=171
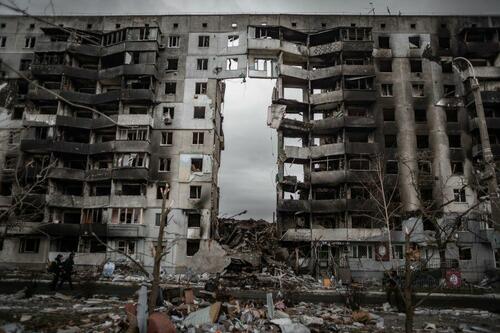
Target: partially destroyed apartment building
x=352, y=92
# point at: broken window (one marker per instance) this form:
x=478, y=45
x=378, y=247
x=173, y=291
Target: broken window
x=391, y=167
x=194, y=192
x=449, y=90
x=127, y=215
x=14, y=137
x=384, y=42
x=202, y=64
x=199, y=112
x=361, y=222
x=422, y=141
x=192, y=246
x=29, y=245
x=17, y=113
x=10, y=162
x=203, y=41
x=160, y=188
x=126, y=246
x=359, y=164
x=167, y=138
x=25, y=64
x=328, y=164
x=386, y=89
x=72, y=217
x=459, y=195
x=417, y=90
x=420, y=115
x=385, y=66
x=138, y=110
x=198, y=138
x=444, y=42
x=3, y=41
x=354, y=111
x=361, y=251
x=263, y=65
x=358, y=83
x=196, y=164
x=29, y=42
x=100, y=190
x=200, y=88
x=457, y=167
x=446, y=67
x=398, y=251
x=164, y=165
x=232, y=64
x=464, y=253
x=135, y=134
x=416, y=66
x=194, y=220
x=132, y=189
x=414, y=42
x=172, y=64
x=132, y=160
x=5, y=189
x=170, y=88
x=359, y=193
x=454, y=141
x=390, y=141
x=389, y=114
x=174, y=41
x=424, y=167
x=233, y=41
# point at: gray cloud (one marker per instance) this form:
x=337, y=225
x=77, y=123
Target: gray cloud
x=162, y=7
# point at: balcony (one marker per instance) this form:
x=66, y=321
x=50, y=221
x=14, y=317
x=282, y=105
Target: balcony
x=129, y=70
x=303, y=154
x=336, y=96
x=274, y=46
x=126, y=230
x=334, y=235
x=37, y=94
x=137, y=95
x=98, y=174
x=83, y=49
x=56, y=70
x=294, y=73
x=61, y=229
x=490, y=97
x=67, y=173
x=335, y=177
x=96, y=201
x=338, y=46
x=493, y=123
x=130, y=201
x=324, y=126
x=131, y=173
x=63, y=200
x=325, y=206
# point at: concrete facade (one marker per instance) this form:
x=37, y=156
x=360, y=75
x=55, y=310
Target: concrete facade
x=366, y=90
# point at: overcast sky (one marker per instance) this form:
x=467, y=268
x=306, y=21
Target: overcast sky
x=249, y=160
x=157, y=7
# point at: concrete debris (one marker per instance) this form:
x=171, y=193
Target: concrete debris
x=430, y=326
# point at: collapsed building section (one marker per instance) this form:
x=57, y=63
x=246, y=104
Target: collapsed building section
x=371, y=114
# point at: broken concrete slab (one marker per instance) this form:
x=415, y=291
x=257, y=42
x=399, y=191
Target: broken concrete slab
x=210, y=258
x=206, y=315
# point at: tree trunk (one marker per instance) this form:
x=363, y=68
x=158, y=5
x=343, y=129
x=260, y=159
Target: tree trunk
x=408, y=288
x=155, y=285
x=442, y=257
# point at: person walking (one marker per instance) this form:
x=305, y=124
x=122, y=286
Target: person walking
x=67, y=271
x=56, y=269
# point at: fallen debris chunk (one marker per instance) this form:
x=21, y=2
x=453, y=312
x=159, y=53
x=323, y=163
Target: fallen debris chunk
x=430, y=326
x=206, y=315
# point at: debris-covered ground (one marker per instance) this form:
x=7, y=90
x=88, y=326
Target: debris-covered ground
x=58, y=312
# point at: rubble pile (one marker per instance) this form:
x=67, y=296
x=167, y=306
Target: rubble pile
x=60, y=313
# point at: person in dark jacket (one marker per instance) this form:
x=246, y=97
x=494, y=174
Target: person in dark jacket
x=56, y=269
x=67, y=271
